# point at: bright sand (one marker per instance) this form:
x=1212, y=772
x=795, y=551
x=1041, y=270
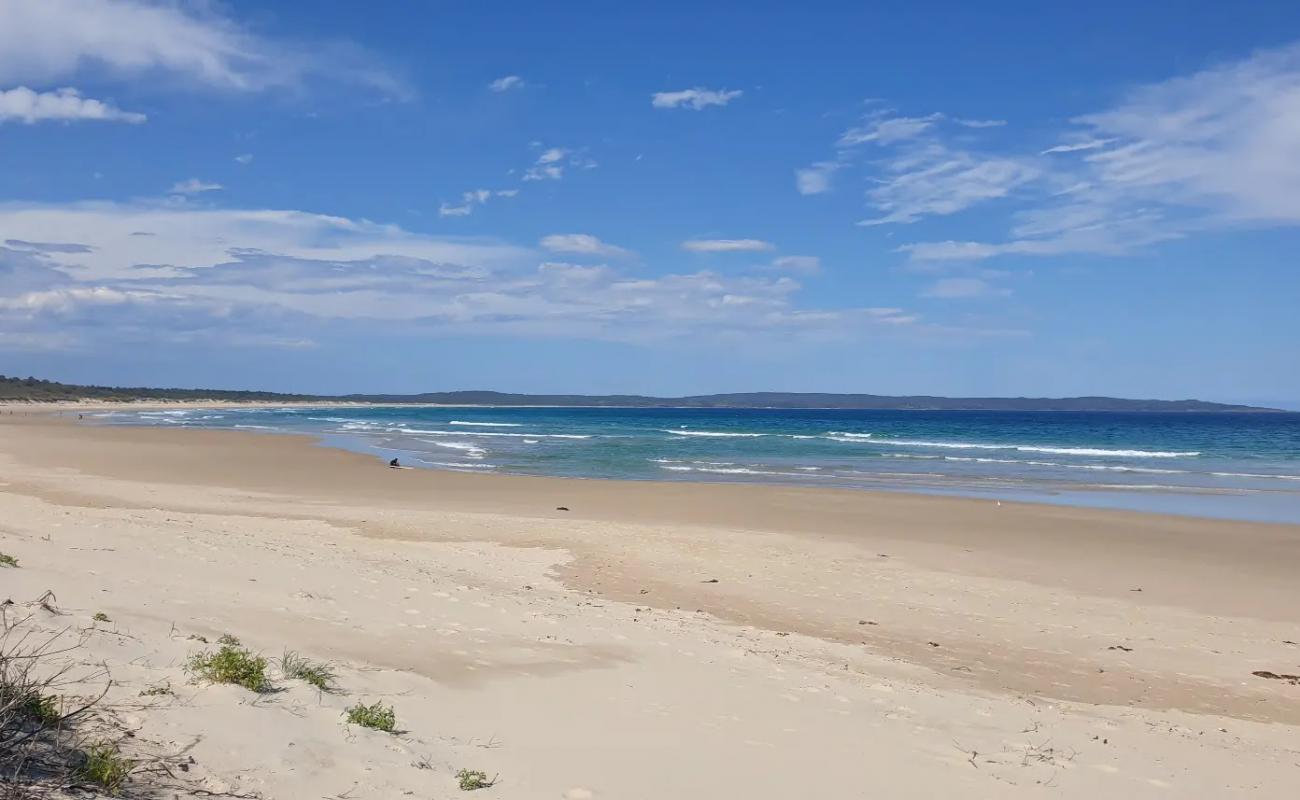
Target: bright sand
x=655, y=640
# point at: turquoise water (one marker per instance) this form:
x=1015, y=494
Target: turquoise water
x=1240, y=466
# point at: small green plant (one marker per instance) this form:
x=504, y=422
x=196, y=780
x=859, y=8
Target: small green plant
x=44, y=709
x=378, y=716
x=227, y=639
x=106, y=768
x=318, y=674
x=157, y=691
x=100, y=616
x=231, y=664
x=471, y=779
x=31, y=706
x=7, y=560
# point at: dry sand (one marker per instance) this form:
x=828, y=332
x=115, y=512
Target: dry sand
x=656, y=640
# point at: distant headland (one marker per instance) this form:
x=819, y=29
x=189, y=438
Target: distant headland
x=36, y=390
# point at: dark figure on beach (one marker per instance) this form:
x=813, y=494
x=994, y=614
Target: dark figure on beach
x=394, y=464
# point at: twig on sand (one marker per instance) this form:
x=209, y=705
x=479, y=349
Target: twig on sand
x=973, y=753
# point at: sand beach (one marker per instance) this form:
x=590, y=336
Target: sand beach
x=607, y=639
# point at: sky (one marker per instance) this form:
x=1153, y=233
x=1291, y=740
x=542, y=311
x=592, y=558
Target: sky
x=899, y=198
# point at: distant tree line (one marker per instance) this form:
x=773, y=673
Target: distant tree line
x=37, y=390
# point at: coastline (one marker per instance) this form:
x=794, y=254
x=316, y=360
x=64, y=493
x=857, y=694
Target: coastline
x=962, y=604
x=1081, y=468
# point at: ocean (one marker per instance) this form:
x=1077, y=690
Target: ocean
x=1228, y=465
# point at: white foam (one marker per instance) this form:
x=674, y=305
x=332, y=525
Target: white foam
x=491, y=433
x=1108, y=467
x=471, y=450
x=257, y=427
x=486, y=424
x=1025, y=448
x=719, y=434
x=1256, y=475
x=850, y=435
x=721, y=470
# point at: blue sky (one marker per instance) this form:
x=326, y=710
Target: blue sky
x=948, y=198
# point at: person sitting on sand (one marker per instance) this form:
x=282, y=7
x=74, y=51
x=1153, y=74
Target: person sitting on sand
x=394, y=464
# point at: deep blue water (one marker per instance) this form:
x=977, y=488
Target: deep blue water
x=1242, y=466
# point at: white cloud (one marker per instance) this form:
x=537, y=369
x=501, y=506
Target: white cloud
x=807, y=264
x=884, y=130
x=551, y=155
x=816, y=178
x=547, y=166
x=725, y=245
x=471, y=200
x=194, y=186
x=280, y=278
x=980, y=123
x=551, y=162
x=934, y=180
x=54, y=40
x=124, y=236
x=580, y=243
x=66, y=105
x=244, y=159
x=1095, y=228
x=1226, y=140
x=951, y=288
x=507, y=83
x=1077, y=146
x=1216, y=149
x=698, y=98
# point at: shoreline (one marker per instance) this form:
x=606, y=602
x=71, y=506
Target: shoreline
x=898, y=621
x=1268, y=504
x=300, y=465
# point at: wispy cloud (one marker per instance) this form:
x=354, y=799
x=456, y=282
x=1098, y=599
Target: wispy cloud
x=552, y=161
x=194, y=186
x=980, y=123
x=952, y=288
x=816, y=178
x=1219, y=148
x=244, y=159
x=548, y=165
x=507, y=83
x=804, y=264
x=279, y=278
x=934, y=180
x=54, y=40
x=726, y=245
x=1077, y=146
x=698, y=98
x=883, y=129
x=63, y=105
x=471, y=200
x=580, y=244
